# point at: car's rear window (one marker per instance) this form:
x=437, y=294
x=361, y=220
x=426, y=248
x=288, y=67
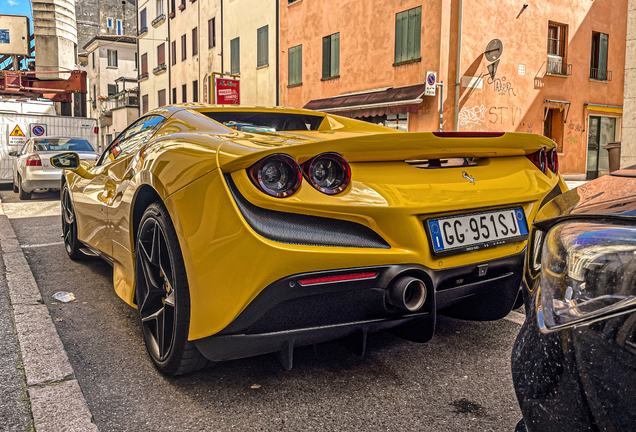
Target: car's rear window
x=63, y=144
x=276, y=121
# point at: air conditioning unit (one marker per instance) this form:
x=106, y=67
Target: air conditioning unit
x=555, y=64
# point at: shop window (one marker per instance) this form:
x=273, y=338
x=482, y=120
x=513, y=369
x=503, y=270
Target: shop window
x=408, y=35
x=553, y=126
x=331, y=56
x=295, y=66
x=395, y=121
x=557, y=37
x=262, y=47
x=598, y=62
x=235, y=56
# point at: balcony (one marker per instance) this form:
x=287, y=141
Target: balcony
x=142, y=31
x=119, y=100
x=558, y=68
x=600, y=74
x=160, y=18
x=143, y=76
x=159, y=69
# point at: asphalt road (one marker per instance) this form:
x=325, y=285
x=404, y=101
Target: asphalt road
x=460, y=381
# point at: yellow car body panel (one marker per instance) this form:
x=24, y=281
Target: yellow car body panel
x=228, y=263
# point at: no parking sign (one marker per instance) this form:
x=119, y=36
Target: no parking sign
x=37, y=130
x=431, y=80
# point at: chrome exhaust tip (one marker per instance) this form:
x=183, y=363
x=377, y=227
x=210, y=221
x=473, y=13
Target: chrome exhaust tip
x=406, y=293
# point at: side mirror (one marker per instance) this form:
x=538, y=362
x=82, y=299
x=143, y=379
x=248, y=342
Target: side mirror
x=69, y=161
x=13, y=153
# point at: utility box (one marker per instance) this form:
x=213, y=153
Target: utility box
x=14, y=35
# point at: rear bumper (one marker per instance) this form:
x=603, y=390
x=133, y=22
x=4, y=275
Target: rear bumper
x=286, y=314
x=41, y=180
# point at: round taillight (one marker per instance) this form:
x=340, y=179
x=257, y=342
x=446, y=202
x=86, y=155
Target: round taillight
x=553, y=161
x=328, y=172
x=540, y=160
x=277, y=175
x=544, y=161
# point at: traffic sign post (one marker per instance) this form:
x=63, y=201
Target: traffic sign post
x=431, y=81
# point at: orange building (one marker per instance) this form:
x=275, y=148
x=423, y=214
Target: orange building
x=554, y=67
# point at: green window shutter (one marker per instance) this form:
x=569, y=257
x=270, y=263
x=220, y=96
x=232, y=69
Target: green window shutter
x=398, y=37
x=262, y=47
x=326, y=57
x=417, y=33
x=299, y=65
x=602, y=56
x=335, y=54
x=295, y=65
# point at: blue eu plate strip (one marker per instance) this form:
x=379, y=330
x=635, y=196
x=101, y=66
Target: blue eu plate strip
x=436, y=234
x=521, y=219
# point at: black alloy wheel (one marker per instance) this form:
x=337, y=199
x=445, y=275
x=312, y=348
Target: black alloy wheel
x=69, y=227
x=162, y=295
x=21, y=193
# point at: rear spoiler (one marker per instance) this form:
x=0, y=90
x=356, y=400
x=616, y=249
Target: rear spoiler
x=388, y=147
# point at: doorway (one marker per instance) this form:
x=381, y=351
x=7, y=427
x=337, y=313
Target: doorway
x=600, y=131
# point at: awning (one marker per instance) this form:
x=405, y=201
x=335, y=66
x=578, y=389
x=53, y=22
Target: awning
x=390, y=101
x=604, y=108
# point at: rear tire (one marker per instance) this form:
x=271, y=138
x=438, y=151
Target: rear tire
x=162, y=295
x=15, y=188
x=21, y=193
x=69, y=227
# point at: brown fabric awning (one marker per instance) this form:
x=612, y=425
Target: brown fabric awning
x=391, y=101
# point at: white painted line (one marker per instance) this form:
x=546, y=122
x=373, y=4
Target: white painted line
x=41, y=245
x=515, y=317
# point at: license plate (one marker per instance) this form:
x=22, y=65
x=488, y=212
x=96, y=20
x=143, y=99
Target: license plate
x=474, y=231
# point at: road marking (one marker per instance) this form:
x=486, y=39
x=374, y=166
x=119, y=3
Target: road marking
x=42, y=245
x=515, y=317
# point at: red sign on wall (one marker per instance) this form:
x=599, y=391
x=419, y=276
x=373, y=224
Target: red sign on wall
x=226, y=91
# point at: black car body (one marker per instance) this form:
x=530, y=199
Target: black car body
x=574, y=360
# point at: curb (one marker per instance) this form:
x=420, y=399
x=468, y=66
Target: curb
x=57, y=402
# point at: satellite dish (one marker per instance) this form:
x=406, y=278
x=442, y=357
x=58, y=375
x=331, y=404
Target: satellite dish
x=494, y=50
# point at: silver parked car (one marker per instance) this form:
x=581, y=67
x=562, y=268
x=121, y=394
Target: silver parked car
x=32, y=170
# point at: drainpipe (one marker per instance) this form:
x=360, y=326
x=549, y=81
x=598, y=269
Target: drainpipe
x=169, y=59
x=459, y=61
x=277, y=53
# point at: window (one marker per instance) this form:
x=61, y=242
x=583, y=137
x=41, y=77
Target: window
x=144, y=104
x=161, y=98
x=133, y=137
x=159, y=7
x=172, y=7
x=184, y=52
x=93, y=56
x=144, y=65
x=331, y=56
x=195, y=41
x=94, y=96
x=142, y=21
x=109, y=22
x=161, y=54
x=235, y=56
x=174, y=53
x=184, y=93
x=408, y=35
x=112, y=89
x=195, y=91
x=112, y=58
x=262, y=46
x=136, y=61
x=119, y=28
x=212, y=33
x=598, y=63
x=557, y=37
x=295, y=65
x=174, y=95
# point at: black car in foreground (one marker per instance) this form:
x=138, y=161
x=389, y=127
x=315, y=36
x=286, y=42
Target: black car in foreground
x=574, y=360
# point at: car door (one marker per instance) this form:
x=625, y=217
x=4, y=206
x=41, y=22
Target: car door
x=20, y=161
x=98, y=194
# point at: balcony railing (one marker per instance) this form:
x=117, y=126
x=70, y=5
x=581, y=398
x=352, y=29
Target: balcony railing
x=121, y=99
x=159, y=69
x=160, y=18
x=600, y=74
x=558, y=68
x=143, y=75
x=142, y=31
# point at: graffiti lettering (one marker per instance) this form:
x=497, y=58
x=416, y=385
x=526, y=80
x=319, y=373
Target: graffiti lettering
x=502, y=86
x=498, y=115
x=472, y=116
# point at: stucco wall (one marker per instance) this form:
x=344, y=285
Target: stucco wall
x=628, y=150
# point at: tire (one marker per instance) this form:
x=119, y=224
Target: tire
x=162, y=295
x=69, y=227
x=21, y=193
x=15, y=188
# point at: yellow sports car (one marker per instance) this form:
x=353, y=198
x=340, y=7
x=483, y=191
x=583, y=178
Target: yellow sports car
x=301, y=227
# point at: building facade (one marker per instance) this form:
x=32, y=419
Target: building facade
x=104, y=17
x=628, y=146
x=153, y=48
x=554, y=67
x=112, y=84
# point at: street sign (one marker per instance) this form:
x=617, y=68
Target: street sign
x=431, y=80
x=16, y=136
x=37, y=130
x=226, y=91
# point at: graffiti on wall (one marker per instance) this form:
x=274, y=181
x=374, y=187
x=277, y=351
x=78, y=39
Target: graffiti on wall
x=502, y=86
x=472, y=116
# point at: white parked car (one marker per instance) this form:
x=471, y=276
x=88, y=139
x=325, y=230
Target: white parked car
x=32, y=170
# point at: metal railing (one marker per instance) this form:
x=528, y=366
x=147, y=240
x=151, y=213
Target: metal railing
x=130, y=99
x=160, y=68
x=558, y=68
x=143, y=75
x=600, y=74
x=142, y=30
x=159, y=19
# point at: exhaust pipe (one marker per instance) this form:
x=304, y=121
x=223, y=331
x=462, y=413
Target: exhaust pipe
x=406, y=293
